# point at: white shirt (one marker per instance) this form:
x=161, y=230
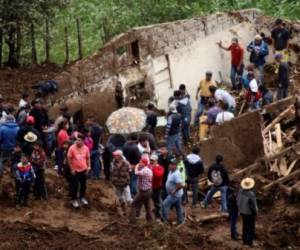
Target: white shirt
x=253, y=86
x=224, y=96
x=224, y=116
x=22, y=103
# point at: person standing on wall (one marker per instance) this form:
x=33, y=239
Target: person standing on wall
x=281, y=36
x=237, y=59
x=258, y=51
x=283, y=80
x=204, y=94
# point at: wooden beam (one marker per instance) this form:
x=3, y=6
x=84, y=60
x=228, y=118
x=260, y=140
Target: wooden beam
x=278, y=135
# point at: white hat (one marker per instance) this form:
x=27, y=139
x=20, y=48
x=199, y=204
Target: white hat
x=154, y=157
x=248, y=183
x=258, y=37
x=117, y=153
x=30, y=137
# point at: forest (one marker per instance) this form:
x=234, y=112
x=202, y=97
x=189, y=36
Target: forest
x=61, y=31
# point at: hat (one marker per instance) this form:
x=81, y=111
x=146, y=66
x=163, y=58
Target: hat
x=209, y=73
x=173, y=160
x=247, y=183
x=145, y=159
x=154, y=157
x=30, y=137
x=173, y=108
x=117, y=153
x=258, y=37
x=30, y=120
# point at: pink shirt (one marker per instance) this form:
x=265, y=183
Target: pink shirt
x=62, y=137
x=78, y=158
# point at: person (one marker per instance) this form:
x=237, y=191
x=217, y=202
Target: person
x=182, y=171
x=258, y=51
x=24, y=100
x=173, y=128
x=63, y=164
x=143, y=145
x=224, y=115
x=280, y=36
x=266, y=94
x=157, y=183
x=15, y=159
x=283, y=80
x=174, y=187
x=40, y=116
x=22, y=114
x=164, y=158
x=119, y=96
x=24, y=178
x=253, y=95
x=194, y=168
x=151, y=120
x=63, y=134
x=87, y=139
x=133, y=156
x=3, y=110
x=80, y=165
x=248, y=209
x=144, y=194
x=184, y=108
x=121, y=179
x=218, y=176
x=224, y=96
x=237, y=58
x=212, y=112
x=233, y=211
x=38, y=159
x=203, y=91
x=8, y=140
x=96, y=134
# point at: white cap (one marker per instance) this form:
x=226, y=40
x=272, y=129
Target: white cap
x=154, y=157
x=258, y=37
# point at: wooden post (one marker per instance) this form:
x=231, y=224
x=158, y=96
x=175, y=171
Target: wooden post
x=33, y=47
x=67, y=59
x=47, y=42
x=79, y=37
x=1, y=46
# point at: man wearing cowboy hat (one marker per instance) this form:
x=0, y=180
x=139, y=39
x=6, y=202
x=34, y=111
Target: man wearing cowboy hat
x=29, y=141
x=248, y=209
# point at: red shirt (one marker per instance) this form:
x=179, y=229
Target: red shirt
x=237, y=53
x=158, y=173
x=62, y=137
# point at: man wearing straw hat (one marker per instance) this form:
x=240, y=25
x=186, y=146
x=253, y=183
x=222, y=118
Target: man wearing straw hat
x=248, y=209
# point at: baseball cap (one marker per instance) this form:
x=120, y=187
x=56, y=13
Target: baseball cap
x=173, y=160
x=30, y=120
x=154, y=157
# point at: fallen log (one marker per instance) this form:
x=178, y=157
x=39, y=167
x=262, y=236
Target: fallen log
x=210, y=217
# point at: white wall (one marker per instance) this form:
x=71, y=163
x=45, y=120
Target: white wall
x=188, y=65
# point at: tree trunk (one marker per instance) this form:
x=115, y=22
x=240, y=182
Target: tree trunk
x=33, y=47
x=18, y=42
x=11, y=43
x=1, y=46
x=47, y=42
x=79, y=37
x=67, y=46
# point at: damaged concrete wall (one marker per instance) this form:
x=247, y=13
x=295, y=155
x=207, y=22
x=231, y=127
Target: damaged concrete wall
x=141, y=49
x=240, y=141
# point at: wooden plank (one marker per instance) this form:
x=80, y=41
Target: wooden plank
x=278, y=135
x=282, y=167
x=290, y=169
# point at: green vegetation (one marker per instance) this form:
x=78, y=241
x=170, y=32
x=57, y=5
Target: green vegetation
x=101, y=19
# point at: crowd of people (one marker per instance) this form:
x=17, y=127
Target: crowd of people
x=143, y=171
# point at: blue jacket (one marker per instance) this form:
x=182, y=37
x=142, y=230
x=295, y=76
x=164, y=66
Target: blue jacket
x=8, y=135
x=258, y=60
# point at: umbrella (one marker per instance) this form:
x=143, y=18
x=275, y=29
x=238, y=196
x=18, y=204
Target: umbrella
x=126, y=120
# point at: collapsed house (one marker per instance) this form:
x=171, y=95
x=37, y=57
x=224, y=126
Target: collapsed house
x=152, y=61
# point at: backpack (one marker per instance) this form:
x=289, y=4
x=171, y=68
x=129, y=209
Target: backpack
x=216, y=177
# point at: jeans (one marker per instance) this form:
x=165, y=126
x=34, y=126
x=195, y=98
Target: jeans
x=233, y=220
x=133, y=183
x=78, y=181
x=167, y=203
x=200, y=109
x=23, y=190
x=212, y=191
x=260, y=68
x=174, y=140
x=185, y=129
x=142, y=198
x=95, y=163
x=248, y=229
x=282, y=93
x=194, y=184
x=5, y=155
x=236, y=74
x=156, y=197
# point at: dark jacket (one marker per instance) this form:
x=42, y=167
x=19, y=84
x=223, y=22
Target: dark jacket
x=41, y=118
x=184, y=106
x=96, y=134
x=217, y=174
x=8, y=135
x=232, y=201
x=24, y=130
x=120, y=175
x=132, y=153
x=173, y=124
x=247, y=202
x=151, y=120
x=259, y=59
x=283, y=75
x=193, y=165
